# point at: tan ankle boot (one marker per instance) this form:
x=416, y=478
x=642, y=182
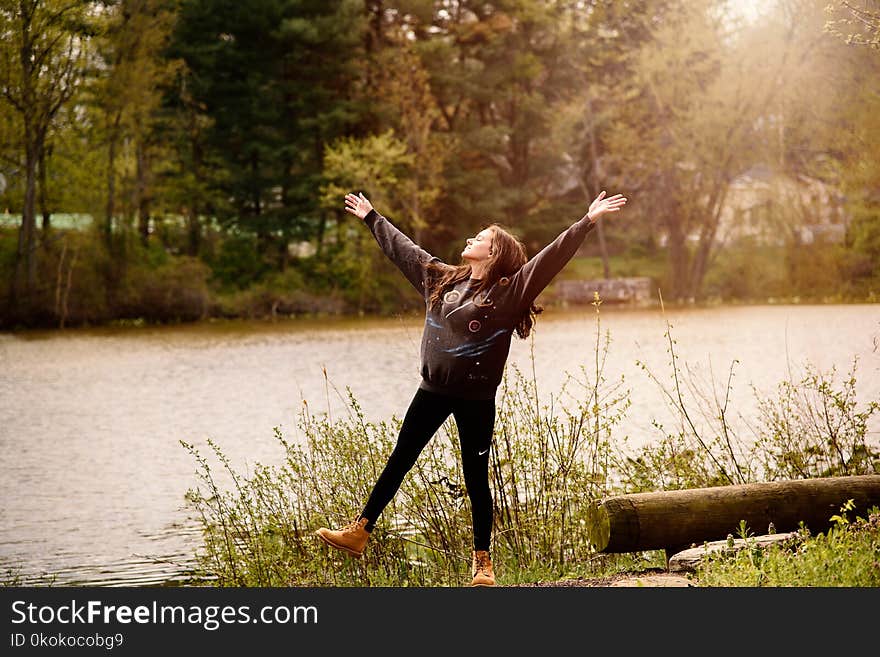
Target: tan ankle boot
x=352, y=538
x=482, y=569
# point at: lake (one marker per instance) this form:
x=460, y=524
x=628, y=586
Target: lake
x=94, y=476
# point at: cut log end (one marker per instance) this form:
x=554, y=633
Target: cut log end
x=598, y=525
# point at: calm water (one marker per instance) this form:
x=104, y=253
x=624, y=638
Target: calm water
x=94, y=476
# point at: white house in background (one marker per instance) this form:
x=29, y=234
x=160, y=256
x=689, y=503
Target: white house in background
x=302, y=249
x=771, y=208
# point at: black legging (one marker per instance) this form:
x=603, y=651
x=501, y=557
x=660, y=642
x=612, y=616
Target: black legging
x=475, y=419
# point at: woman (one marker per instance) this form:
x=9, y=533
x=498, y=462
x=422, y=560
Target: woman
x=472, y=311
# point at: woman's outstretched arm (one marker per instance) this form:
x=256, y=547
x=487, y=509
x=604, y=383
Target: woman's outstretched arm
x=537, y=273
x=409, y=257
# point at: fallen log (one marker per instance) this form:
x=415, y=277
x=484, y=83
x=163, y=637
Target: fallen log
x=674, y=520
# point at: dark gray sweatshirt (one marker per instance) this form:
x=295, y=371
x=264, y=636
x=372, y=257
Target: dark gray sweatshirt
x=466, y=340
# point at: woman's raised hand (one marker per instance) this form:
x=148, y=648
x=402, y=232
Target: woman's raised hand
x=601, y=205
x=358, y=205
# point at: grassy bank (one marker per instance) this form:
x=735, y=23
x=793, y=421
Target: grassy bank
x=548, y=461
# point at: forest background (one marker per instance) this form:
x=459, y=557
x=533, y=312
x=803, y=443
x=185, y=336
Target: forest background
x=177, y=160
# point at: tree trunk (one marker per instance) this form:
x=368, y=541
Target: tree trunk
x=40, y=57
x=66, y=296
x=600, y=231
x=672, y=520
x=44, y=205
x=606, y=269
x=700, y=264
x=282, y=247
x=416, y=212
x=322, y=229
x=26, y=255
x=110, y=209
x=678, y=258
x=194, y=232
x=284, y=238
x=194, y=225
x=708, y=232
x=143, y=200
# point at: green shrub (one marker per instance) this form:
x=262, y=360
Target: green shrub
x=283, y=294
x=814, y=270
x=813, y=428
x=237, y=263
x=747, y=272
x=174, y=291
x=71, y=280
x=848, y=554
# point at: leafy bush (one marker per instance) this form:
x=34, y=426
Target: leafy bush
x=845, y=555
x=814, y=429
x=283, y=294
x=176, y=290
x=238, y=263
x=747, y=271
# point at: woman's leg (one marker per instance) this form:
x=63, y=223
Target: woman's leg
x=425, y=414
x=476, y=420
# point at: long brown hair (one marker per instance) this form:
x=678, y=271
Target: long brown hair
x=508, y=255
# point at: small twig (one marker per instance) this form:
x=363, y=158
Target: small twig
x=681, y=401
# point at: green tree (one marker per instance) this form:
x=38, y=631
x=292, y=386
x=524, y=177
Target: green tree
x=827, y=137
x=404, y=96
x=11, y=161
x=274, y=78
x=499, y=73
x=378, y=164
x=127, y=95
x=606, y=37
x=43, y=53
x=186, y=169
x=698, y=111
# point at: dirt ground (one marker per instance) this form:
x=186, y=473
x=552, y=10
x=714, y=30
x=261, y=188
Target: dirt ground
x=649, y=578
